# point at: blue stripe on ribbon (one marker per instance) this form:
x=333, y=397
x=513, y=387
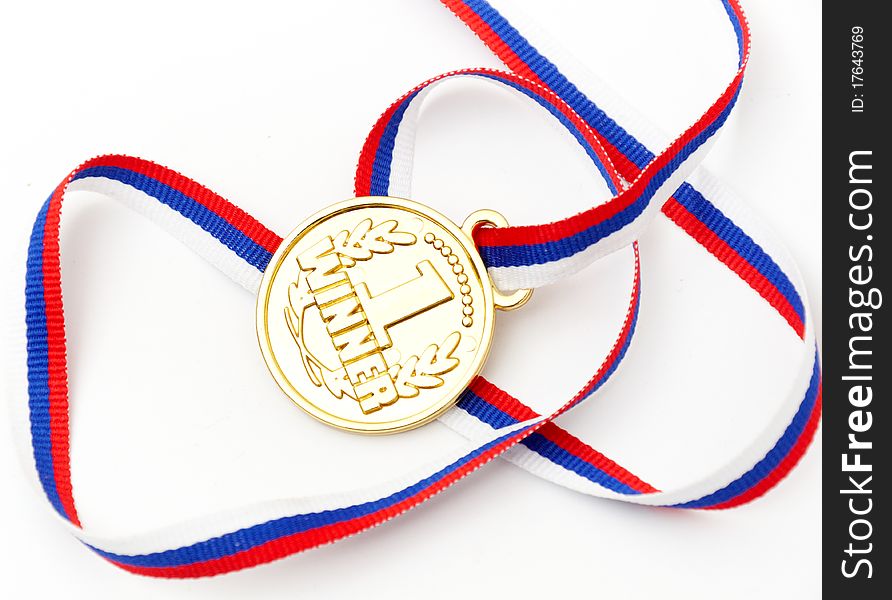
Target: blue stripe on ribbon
x=535, y=254
x=483, y=411
x=771, y=460
x=256, y=535
x=548, y=73
x=226, y=233
x=38, y=362
x=740, y=242
x=380, y=181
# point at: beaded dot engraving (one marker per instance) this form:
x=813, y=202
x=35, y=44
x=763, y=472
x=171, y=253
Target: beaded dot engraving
x=460, y=276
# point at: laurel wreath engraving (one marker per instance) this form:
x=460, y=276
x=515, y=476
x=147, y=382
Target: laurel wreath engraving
x=334, y=381
x=423, y=372
x=366, y=240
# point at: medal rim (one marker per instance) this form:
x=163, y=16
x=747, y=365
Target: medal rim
x=288, y=242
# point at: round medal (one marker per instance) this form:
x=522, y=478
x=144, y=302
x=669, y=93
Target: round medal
x=375, y=314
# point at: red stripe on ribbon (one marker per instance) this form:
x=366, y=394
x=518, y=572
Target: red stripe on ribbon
x=716, y=246
x=744, y=26
x=362, y=185
x=57, y=369
x=492, y=40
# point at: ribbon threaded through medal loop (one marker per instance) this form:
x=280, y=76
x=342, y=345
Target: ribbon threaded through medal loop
x=495, y=423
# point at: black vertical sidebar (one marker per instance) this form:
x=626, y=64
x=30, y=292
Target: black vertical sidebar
x=857, y=227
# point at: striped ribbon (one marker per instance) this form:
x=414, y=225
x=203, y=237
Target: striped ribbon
x=492, y=422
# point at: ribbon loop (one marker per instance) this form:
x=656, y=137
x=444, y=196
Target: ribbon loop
x=492, y=422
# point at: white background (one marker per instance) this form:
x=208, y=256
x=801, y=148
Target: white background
x=174, y=414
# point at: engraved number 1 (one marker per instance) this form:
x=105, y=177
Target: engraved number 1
x=403, y=302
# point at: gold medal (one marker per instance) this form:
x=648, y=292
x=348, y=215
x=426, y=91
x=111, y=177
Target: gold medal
x=376, y=313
